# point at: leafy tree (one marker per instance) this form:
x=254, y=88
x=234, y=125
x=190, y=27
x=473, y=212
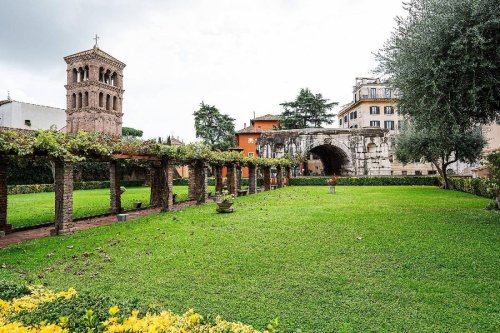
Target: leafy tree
x=216, y=129
x=494, y=168
x=308, y=110
x=439, y=146
x=444, y=59
x=131, y=132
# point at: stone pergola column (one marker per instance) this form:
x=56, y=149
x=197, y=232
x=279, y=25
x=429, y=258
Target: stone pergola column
x=288, y=175
x=252, y=179
x=238, y=178
x=64, y=198
x=218, y=179
x=200, y=182
x=154, y=199
x=279, y=176
x=166, y=185
x=232, y=183
x=191, y=183
x=266, y=175
x=114, y=186
x=4, y=165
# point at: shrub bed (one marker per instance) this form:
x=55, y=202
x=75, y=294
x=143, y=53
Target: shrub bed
x=211, y=182
x=91, y=185
x=38, y=310
x=477, y=186
x=367, y=181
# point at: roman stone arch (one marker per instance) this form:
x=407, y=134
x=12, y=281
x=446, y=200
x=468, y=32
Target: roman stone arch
x=341, y=151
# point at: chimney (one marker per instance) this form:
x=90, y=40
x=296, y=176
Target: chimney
x=244, y=125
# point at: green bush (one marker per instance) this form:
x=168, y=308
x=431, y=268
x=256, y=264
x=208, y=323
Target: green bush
x=367, y=181
x=477, y=186
x=10, y=290
x=211, y=182
x=92, y=185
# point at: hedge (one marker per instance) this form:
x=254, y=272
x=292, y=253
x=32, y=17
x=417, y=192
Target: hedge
x=92, y=185
x=368, y=181
x=477, y=186
x=211, y=182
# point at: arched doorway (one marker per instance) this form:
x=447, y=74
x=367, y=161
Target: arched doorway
x=333, y=158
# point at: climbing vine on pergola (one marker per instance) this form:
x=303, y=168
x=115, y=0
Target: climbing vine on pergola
x=66, y=149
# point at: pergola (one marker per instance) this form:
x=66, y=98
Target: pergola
x=66, y=150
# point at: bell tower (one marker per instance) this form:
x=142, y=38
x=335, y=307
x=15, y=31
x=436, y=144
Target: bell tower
x=94, y=92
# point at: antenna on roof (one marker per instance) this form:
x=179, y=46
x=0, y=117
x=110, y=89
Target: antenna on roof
x=8, y=95
x=254, y=115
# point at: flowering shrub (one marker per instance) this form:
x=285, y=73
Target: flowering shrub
x=43, y=311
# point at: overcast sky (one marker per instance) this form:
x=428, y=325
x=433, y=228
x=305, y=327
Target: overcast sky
x=241, y=56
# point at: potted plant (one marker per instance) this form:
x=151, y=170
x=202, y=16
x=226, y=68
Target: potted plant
x=332, y=182
x=224, y=202
x=137, y=204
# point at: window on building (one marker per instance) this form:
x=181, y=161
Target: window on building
x=374, y=110
x=374, y=123
x=250, y=154
x=345, y=119
x=404, y=173
x=388, y=92
x=251, y=140
x=373, y=92
x=389, y=124
x=354, y=114
x=340, y=121
x=400, y=123
x=418, y=173
x=431, y=172
x=27, y=122
x=388, y=110
x=371, y=147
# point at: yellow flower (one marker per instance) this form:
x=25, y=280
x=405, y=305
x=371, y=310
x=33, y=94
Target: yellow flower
x=114, y=310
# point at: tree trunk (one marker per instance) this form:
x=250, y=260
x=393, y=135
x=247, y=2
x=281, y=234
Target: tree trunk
x=442, y=173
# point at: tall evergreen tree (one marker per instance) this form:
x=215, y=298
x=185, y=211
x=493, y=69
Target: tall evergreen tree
x=216, y=129
x=307, y=110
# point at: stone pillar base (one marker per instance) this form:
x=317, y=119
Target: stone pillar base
x=6, y=228
x=65, y=231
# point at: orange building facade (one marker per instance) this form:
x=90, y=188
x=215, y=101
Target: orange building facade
x=247, y=137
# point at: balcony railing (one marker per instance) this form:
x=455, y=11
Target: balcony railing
x=376, y=96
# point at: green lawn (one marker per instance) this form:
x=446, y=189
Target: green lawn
x=381, y=259
x=32, y=209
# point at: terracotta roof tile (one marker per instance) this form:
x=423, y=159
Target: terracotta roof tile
x=268, y=117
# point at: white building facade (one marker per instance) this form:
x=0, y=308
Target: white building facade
x=14, y=114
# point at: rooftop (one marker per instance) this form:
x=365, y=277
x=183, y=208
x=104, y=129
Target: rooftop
x=268, y=117
x=94, y=52
x=251, y=129
x=43, y=106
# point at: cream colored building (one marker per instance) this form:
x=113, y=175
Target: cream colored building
x=374, y=106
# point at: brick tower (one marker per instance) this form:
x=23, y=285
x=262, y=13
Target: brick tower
x=94, y=92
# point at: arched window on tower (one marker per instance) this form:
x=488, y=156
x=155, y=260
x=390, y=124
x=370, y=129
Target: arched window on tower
x=101, y=99
x=101, y=74
x=80, y=100
x=73, y=101
x=113, y=79
x=108, y=101
x=86, y=99
x=75, y=75
x=86, y=73
x=114, y=102
x=107, y=77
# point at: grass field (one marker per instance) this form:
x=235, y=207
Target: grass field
x=32, y=209
x=381, y=259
